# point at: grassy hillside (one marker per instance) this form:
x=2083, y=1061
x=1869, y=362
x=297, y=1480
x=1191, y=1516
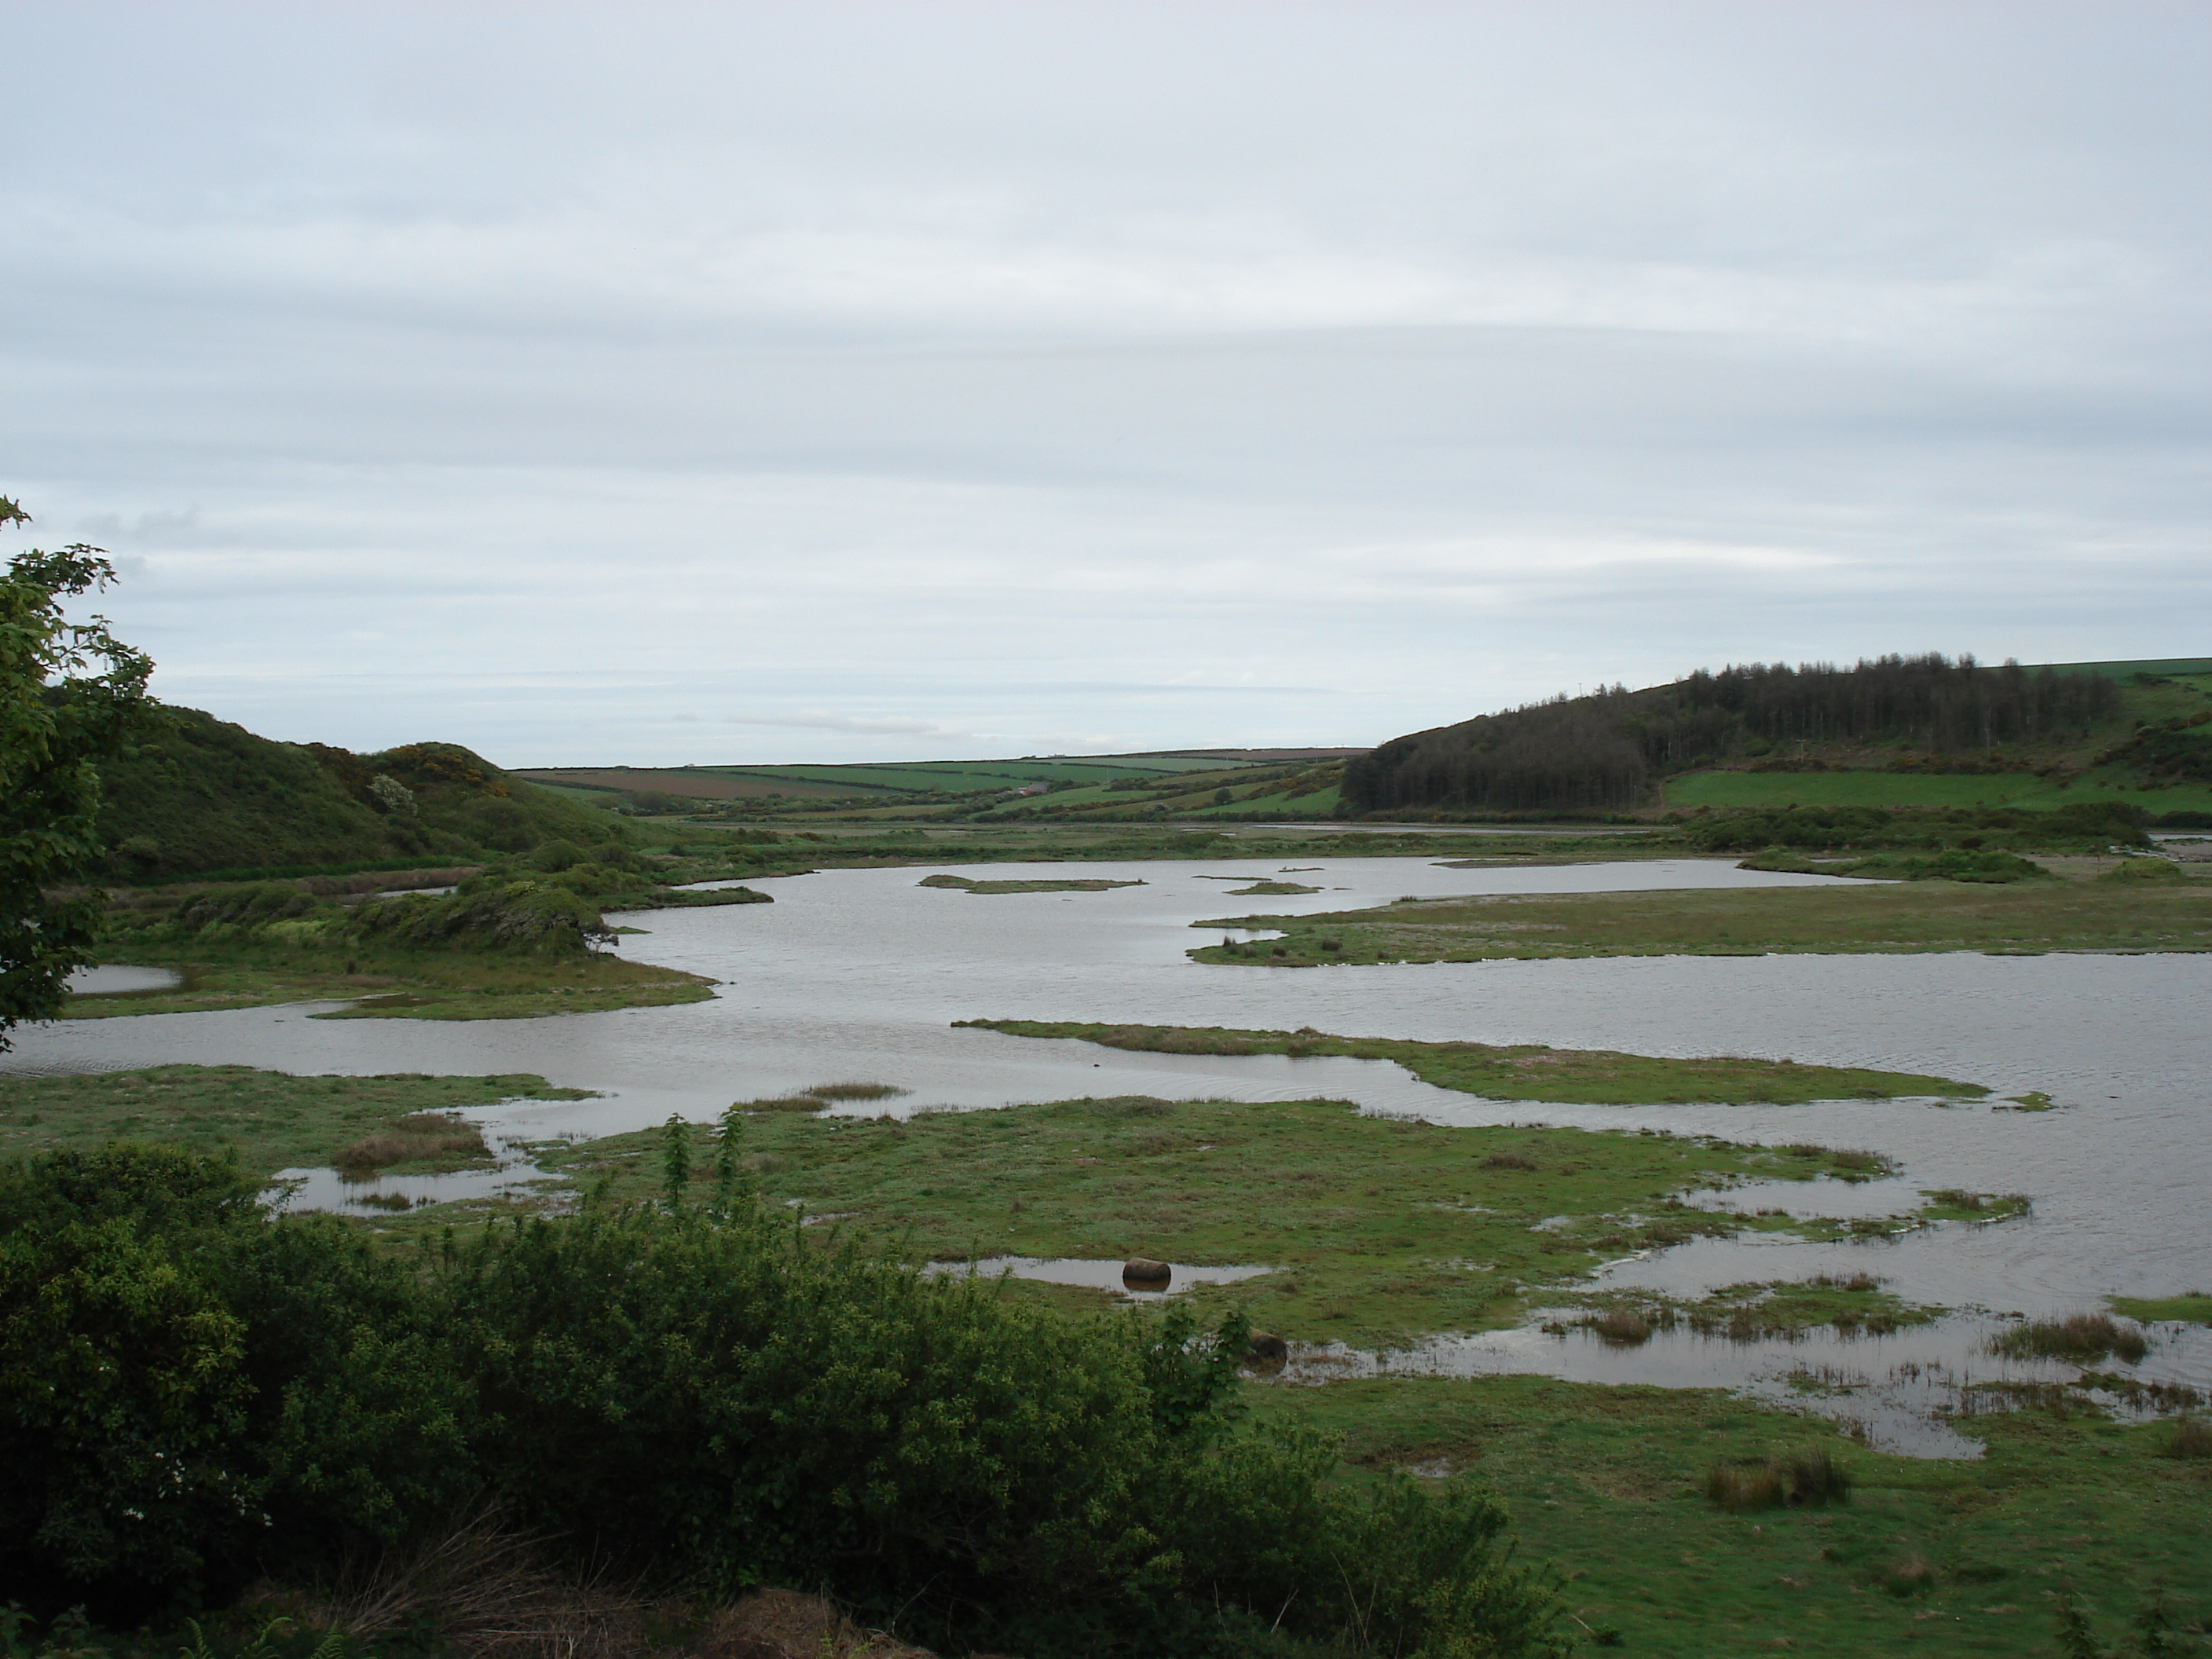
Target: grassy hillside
x=1896, y=732
x=202, y=795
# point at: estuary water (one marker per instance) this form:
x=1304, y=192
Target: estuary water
x=857, y=974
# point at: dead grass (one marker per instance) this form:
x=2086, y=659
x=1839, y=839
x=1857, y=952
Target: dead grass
x=416, y=1136
x=1811, y=1480
x=488, y=1591
x=485, y=1589
x=781, y=1624
x=2191, y=1439
x=1625, y=1326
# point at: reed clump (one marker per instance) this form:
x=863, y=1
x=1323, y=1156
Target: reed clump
x=1508, y=1161
x=419, y=1135
x=2191, y=1439
x=2080, y=1337
x=1628, y=1327
x=1810, y=1481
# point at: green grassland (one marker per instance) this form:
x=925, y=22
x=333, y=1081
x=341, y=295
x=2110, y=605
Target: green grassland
x=1078, y=884
x=1905, y=917
x=271, y=1121
x=389, y=984
x=1926, y=1557
x=2195, y=1309
x=1379, y=1230
x=1842, y=788
x=1526, y=1070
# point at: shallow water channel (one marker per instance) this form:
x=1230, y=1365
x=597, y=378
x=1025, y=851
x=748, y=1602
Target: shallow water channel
x=857, y=973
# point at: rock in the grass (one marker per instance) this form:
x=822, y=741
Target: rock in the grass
x=1142, y=1272
x=1266, y=1353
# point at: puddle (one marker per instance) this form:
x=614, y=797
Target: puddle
x=1097, y=1275
x=110, y=980
x=1913, y=1392
x=513, y=1169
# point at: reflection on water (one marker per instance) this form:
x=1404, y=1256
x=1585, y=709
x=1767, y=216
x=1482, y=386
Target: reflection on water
x=859, y=973
x=107, y=980
x=1914, y=1391
x=513, y=1169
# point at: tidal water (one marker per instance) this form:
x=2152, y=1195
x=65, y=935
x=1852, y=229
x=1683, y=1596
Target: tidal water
x=856, y=976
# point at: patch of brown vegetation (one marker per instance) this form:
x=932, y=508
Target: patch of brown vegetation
x=419, y=1135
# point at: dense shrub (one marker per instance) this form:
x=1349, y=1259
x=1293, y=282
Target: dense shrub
x=188, y=1391
x=193, y=1392
x=514, y=916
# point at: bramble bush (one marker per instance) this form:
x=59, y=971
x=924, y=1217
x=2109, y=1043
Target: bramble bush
x=194, y=1393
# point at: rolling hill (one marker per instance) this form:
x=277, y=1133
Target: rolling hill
x=201, y=795
x=1895, y=732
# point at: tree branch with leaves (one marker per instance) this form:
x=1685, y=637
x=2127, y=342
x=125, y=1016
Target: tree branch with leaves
x=71, y=697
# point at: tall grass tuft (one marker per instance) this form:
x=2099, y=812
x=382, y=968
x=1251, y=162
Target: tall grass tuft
x=1625, y=1326
x=2082, y=1337
x=1811, y=1480
x=417, y=1135
x=2190, y=1439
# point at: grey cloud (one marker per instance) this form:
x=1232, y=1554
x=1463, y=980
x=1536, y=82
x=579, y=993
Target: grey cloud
x=1162, y=375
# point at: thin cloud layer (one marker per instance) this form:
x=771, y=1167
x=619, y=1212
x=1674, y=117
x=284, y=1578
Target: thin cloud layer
x=683, y=384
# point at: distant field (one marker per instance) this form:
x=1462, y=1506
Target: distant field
x=891, y=778
x=706, y=785
x=1910, y=789
x=2172, y=667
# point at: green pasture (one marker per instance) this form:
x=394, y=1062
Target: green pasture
x=2171, y=668
x=979, y=776
x=1926, y=1556
x=1914, y=789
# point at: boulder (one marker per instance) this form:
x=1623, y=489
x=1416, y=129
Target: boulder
x=1141, y=1272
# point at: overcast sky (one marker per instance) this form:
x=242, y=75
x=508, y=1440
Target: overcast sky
x=660, y=383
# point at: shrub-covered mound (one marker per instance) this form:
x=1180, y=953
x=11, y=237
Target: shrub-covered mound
x=201, y=795
x=194, y=1394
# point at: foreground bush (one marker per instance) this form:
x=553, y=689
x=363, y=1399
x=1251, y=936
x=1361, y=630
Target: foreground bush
x=193, y=1393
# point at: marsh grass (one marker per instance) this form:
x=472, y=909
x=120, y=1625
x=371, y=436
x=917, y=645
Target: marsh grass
x=2193, y=1440
x=410, y=984
x=1077, y=885
x=1528, y=1071
x=1810, y=1479
x=1624, y=1327
x=2082, y=1338
x=2160, y=913
x=1851, y=1163
x=272, y=1120
x=855, y=1090
x=1608, y=1482
x=1366, y=1221
x=417, y=1137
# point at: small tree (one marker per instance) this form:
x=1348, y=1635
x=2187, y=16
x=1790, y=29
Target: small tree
x=71, y=694
x=729, y=1151
x=675, y=1159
